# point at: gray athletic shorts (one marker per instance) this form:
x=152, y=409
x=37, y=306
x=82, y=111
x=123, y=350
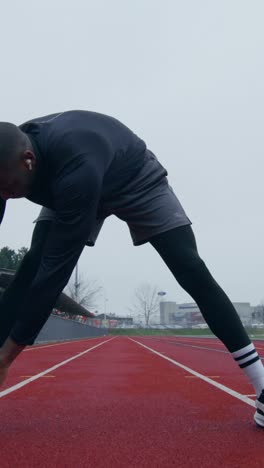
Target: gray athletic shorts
x=157, y=210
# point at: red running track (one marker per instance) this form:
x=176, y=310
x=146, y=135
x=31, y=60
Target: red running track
x=121, y=405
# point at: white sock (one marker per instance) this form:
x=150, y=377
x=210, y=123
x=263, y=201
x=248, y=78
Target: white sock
x=249, y=361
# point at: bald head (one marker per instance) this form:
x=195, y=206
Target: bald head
x=17, y=162
x=12, y=143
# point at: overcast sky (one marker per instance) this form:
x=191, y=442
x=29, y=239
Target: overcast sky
x=187, y=77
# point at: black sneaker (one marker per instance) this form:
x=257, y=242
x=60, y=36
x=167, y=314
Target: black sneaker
x=259, y=415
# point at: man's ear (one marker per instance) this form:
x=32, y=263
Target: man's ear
x=29, y=159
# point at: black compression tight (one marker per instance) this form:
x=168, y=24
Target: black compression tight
x=179, y=251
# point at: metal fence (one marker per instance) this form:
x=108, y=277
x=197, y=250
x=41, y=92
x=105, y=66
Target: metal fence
x=59, y=329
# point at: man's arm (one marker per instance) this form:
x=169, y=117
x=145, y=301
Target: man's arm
x=8, y=353
x=65, y=241
x=15, y=294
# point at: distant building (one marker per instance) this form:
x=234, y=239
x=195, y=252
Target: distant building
x=258, y=315
x=245, y=312
x=168, y=311
x=189, y=314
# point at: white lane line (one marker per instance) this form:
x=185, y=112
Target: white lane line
x=209, y=341
x=37, y=376
x=181, y=343
x=35, y=348
x=231, y=392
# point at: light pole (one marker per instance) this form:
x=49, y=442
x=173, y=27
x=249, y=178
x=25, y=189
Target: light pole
x=76, y=284
x=105, y=305
x=161, y=294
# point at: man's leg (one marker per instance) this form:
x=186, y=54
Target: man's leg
x=179, y=251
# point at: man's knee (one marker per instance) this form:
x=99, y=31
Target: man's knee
x=193, y=265
x=192, y=270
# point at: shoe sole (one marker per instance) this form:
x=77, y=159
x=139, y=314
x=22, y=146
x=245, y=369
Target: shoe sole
x=259, y=420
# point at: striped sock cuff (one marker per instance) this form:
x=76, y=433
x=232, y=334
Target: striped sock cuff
x=246, y=356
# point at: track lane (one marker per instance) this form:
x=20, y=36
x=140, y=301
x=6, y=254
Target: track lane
x=204, y=359
x=34, y=360
x=120, y=406
x=212, y=344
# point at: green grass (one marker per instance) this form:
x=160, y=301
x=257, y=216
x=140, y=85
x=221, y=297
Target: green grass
x=256, y=332
x=153, y=331
x=253, y=332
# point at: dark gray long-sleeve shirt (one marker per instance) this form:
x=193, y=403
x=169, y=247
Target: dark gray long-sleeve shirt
x=83, y=159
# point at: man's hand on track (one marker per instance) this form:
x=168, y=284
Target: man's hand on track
x=3, y=373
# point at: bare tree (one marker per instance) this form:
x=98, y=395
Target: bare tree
x=146, y=301
x=85, y=292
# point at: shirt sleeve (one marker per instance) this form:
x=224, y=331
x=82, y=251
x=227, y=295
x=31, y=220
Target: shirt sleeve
x=2, y=209
x=76, y=193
